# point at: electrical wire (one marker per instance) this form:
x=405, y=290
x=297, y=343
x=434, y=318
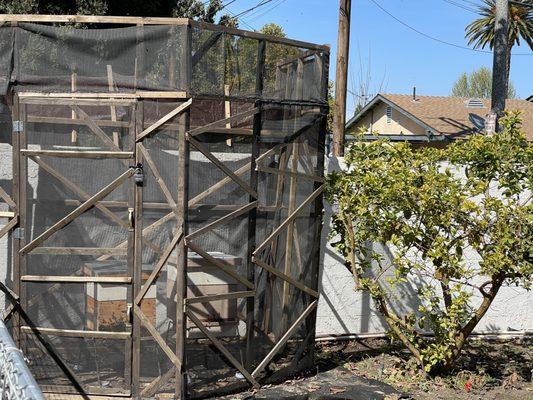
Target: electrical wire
x=261, y=3
x=437, y=39
x=460, y=5
x=280, y=2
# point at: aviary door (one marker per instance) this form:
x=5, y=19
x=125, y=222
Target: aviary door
x=77, y=180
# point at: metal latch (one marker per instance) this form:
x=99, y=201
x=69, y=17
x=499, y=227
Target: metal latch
x=18, y=233
x=18, y=126
x=131, y=220
x=129, y=313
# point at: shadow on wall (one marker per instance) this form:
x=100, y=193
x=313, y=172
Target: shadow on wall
x=341, y=309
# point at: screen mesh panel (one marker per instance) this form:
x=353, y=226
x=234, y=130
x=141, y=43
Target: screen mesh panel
x=169, y=190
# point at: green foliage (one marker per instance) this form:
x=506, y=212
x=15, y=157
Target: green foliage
x=478, y=84
x=435, y=209
x=480, y=33
x=195, y=9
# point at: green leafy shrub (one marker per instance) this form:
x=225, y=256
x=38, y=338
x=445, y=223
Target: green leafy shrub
x=436, y=209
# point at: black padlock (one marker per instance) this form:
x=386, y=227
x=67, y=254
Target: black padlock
x=138, y=175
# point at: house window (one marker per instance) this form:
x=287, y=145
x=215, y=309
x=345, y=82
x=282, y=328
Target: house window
x=389, y=114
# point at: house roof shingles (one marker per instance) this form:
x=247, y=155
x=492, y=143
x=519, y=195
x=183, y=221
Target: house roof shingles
x=450, y=115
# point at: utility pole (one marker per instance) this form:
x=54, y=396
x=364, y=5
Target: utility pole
x=499, y=67
x=341, y=77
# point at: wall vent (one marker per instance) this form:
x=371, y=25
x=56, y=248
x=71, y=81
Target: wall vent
x=474, y=103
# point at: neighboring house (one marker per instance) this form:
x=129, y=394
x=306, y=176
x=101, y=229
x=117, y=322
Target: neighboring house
x=433, y=120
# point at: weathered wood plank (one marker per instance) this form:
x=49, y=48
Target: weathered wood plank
x=222, y=123
x=289, y=219
x=160, y=264
x=162, y=120
x=86, y=251
x=76, y=333
x=221, y=348
x=217, y=297
x=286, y=278
x=279, y=345
x=222, y=221
x=78, y=154
x=77, y=212
x=222, y=167
x=156, y=335
x=228, y=269
x=76, y=279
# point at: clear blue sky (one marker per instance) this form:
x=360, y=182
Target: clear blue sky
x=390, y=52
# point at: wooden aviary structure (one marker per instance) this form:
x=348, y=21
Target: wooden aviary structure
x=162, y=183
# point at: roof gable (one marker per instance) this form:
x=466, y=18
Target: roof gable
x=449, y=116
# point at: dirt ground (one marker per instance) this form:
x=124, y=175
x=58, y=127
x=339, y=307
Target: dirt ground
x=488, y=370
x=377, y=370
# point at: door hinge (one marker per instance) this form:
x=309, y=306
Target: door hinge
x=18, y=233
x=18, y=126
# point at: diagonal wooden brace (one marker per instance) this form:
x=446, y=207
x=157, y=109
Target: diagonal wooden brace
x=289, y=219
x=221, y=348
x=221, y=166
x=77, y=212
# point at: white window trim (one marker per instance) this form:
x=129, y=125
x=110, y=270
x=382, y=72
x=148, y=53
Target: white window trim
x=388, y=113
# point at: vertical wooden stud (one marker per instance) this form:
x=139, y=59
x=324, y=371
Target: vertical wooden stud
x=252, y=215
x=135, y=265
x=183, y=200
x=17, y=181
x=73, y=88
x=113, y=109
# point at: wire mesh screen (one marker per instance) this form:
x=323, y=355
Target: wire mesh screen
x=171, y=227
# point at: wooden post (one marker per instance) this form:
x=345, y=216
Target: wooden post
x=341, y=77
x=74, y=87
x=23, y=183
x=227, y=112
x=135, y=243
x=17, y=180
x=183, y=200
x=499, y=68
x=289, y=242
x=252, y=216
x=314, y=282
x=113, y=109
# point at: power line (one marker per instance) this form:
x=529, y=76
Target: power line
x=261, y=3
x=280, y=2
x=460, y=5
x=437, y=39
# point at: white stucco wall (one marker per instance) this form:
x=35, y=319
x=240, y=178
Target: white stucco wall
x=342, y=310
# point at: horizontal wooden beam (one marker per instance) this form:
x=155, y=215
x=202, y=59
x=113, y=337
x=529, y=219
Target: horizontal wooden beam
x=218, y=297
x=77, y=212
x=7, y=214
x=107, y=95
x=78, y=154
x=218, y=124
x=258, y=36
x=92, y=19
x=76, y=279
x=97, y=102
x=86, y=251
x=289, y=219
x=77, y=333
x=314, y=178
x=284, y=276
x=69, y=121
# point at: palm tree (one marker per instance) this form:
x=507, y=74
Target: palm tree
x=480, y=32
